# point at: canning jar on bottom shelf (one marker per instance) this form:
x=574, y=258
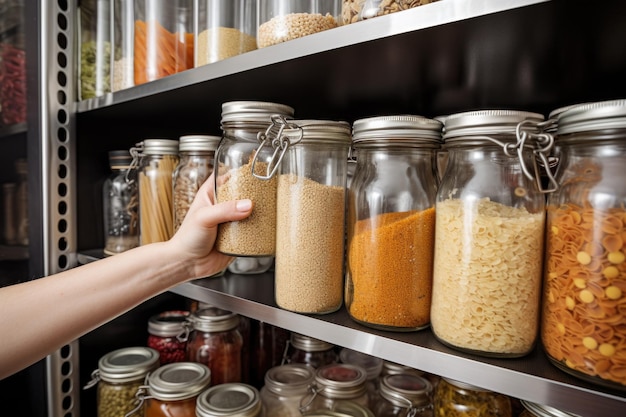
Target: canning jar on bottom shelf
x=454, y=398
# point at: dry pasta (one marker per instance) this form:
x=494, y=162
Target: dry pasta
x=156, y=215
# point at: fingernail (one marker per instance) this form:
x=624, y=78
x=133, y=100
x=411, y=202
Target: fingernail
x=243, y=205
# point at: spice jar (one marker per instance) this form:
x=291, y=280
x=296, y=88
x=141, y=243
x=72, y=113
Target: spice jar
x=357, y=10
x=157, y=161
x=196, y=153
x=123, y=41
x=119, y=376
x=120, y=200
x=225, y=28
x=391, y=221
x=230, y=400
x=336, y=383
x=585, y=280
x=21, y=202
x=458, y=398
x=404, y=395
x=285, y=386
x=373, y=367
x=489, y=233
x=236, y=157
x=310, y=221
x=94, y=71
x=13, y=65
x=310, y=351
x=166, y=334
x=539, y=410
x=215, y=341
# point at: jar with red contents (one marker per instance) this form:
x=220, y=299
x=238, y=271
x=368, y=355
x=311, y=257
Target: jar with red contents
x=166, y=334
x=216, y=342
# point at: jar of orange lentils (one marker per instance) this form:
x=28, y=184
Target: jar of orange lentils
x=584, y=306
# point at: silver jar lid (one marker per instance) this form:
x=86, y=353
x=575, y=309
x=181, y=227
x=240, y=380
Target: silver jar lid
x=462, y=126
x=198, y=143
x=392, y=368
x=289, y=378
x=404, y=130
x=322, y=131
x=309, y=344
x=128, y=364
x=544, y=410
x=229, y=399
x=253, y=112
x=160, y=147
x=168, y=323
x=120, y=159
x=406, y=390
x=372, y=365
x=213, y=319
x=179, y=381
x=593, y=116
x=341, y=380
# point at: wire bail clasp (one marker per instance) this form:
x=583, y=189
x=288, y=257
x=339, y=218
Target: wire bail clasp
x=280, y=134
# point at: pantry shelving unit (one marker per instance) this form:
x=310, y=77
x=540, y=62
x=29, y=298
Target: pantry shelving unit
x=433, y=60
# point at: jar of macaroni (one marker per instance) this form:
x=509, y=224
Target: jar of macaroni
x=458, y=398
x=357, y=10
x=166, y=334
x=285, y=386
x=489, y=233
x=404, y=395
x=230, y=400
x=582, y=327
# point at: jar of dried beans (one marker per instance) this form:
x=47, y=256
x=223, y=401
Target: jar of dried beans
x=584, y=298
x=455, y=398
x=285, y=386
x=215, y=341
x=404, y=395
x=94, y=70
x=391, y=221
x=357, y=10
x=230, y=400
x=489, y=233
x=242, y=172
x=167, y=333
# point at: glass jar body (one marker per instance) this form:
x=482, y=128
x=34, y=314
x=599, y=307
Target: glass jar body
x=13, y=65
x=95, y=49
x=192, y=171
x=316, y=359
x=452, y=398
x=220, y=351
x=120, y=205
x=163, y=408
x=117, y=399
x=123, y=68
x=357, y=10
x=489, y=236
x=391, y=222
x=285, y=387
x=251, y=265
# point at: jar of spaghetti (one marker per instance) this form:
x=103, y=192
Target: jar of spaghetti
x=584, y=296
x=166, y=334
x=489, y=233
x=335, y=384
x=230, y=400
x=164, y=39
x=404, y=395
x=309, y=351
x=157, y=161
x=242, y=163
x=357, y=10
x=391, y=210
x=458, y=398
x=215, y=341
x=285, y=386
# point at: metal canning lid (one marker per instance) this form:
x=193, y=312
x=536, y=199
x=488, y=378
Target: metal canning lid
x=213, y=319
x=404, y=390
x=254, y=112
x=198, y=143
x=323, y=131
x=289, y=378
x=544, y=410
x=405, y=130
x=372, y=365
x=593, y=116
x=120, y=159
x=179, y=381
x=460, y=384
x=167, y=324
x=160, y=147
x=128, y=364
x=229, y=399
x=461, y=126
x=341, y=380
x=392, y=368
x=309, y=344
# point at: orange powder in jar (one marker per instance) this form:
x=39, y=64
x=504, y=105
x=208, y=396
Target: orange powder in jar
x=390, y=261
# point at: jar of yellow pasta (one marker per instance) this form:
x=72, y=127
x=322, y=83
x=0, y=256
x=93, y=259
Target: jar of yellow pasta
x=584, y=307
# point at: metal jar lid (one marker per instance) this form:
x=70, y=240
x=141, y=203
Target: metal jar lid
x=160, y=147
x=198, y=143
x=323, y=131
x=168, y=323
x=229, y=399
x=309, y=344
x=372, y=365
x=289, y=378
x=128, y=364
x=406, y=390
x=392, y=368
x=544, y=410
x=401, y=130
x=120, y=159
x=213, y=319
x=593, y=116
x=461, y=127
x=253, y=112
x=179, y=381
x=341, y=381
x=464, y=385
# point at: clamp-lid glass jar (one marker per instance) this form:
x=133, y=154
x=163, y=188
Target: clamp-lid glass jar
x=373, y=367
x=455, y=397
x=336, y=383
x=230, y=400
x=166, y=334
x=236, y=157
x=584, y=295
x=311, y=351
x=285, y=386
x=489, y=233
x=404, y=395
x=391, y=221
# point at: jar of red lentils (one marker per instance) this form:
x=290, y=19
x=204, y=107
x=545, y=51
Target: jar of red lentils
x=584, y=302
x=166, y=334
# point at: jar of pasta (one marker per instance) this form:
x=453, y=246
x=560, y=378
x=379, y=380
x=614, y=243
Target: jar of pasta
x=357, y=10
x=404, y=395
x=157, y=161
x=166, y=334
x=242, y=162
x=285, y=386
x=584, y=296
x=458, y=398
x=230, y=400
x=489, y=233
x=310, y=351
x=391, y=210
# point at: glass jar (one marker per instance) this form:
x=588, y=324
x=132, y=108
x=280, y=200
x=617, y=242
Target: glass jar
x=310, y=221
x=539, y=410
x=404, y=395
x=225, y=28
x=215, y=341
x=357, y=10
x=119, y=376
x=166, y=334
x=122, y=66
x=582, y=329
x=458, y=398
x=285, y=386
x=310, y=351
x=157, y=161
x=13, y=98
x=164, y=40
x=373, y=367
x=9, y=229
x=245, y=265
x=336, y=383
x=230, y=400
x=196, y=153
x=391, y=210
x=94, y=70
x=242, y=122
x=120, y=200
x=21, y=202
x=281, y=21
x=489, y=233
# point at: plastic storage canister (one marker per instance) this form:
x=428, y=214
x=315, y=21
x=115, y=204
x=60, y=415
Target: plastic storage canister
x=12, y=64
x=281, y=21
x=94, y=67
x=539, y=410
x=216, y=342
x=164, y=40
x=489, y=234
x=285, y=386
x=458, y=398
x=123, y=41
x=120, y=200
x=225, y=28
x=583, y=330
x=166, y=334
x=373, y=367
x=242, y=122
x=310, y=221
x=119, y=376
x=196, y=153
x=230, y=400
x=404, y=395
x=357, y=10
x=311, y=351
x=391, y=221
x=334, y=384
x=173, y=389
x=158, y=160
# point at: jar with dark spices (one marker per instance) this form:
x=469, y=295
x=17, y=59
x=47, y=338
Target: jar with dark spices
x=215, y=341
x=310, y=351
x=455, y=399
x=404, y=395
x=167, y=333
x=357, y=10
x=285, y=386
x=230, y=400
